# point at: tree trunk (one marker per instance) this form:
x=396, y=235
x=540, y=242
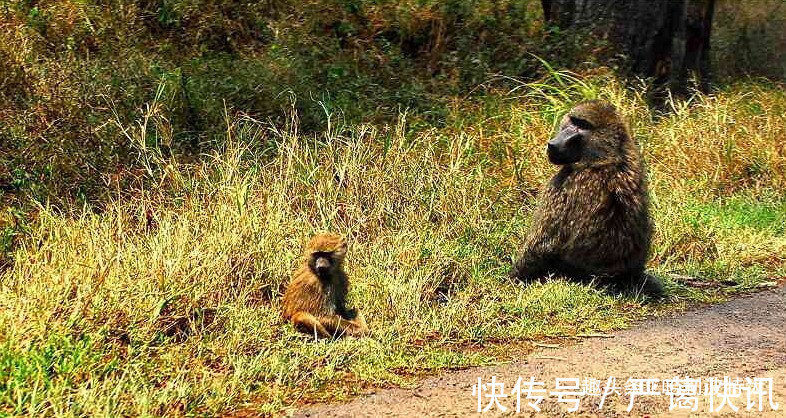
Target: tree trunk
x=668, y=40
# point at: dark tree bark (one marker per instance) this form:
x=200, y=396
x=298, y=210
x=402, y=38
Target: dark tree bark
x=665, y=39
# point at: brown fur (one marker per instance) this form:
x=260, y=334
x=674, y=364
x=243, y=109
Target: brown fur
x=592, y=220
x=316, y=303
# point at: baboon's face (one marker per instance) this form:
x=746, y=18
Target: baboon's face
x=325, y=253
x=591, y=132
x=569, y=143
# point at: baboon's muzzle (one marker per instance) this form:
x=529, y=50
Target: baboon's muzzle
x=565, y=148
x=322, y=265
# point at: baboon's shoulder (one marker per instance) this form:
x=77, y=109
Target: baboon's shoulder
x=303, y=293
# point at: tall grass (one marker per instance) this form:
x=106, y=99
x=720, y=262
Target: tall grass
x=167, y=301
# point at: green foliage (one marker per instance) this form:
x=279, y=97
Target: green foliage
x=72, y=69
x=749, y=40
x=59, y=364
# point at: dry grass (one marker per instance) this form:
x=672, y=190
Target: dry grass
x=167, y=301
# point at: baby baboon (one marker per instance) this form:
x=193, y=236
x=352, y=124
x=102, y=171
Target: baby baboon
x=592, y=220
x=315, y=299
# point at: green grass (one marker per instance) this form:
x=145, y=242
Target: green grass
x=167, y=300
x=741, y=214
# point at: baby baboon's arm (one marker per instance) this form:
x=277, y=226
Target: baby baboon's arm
x=340, y=326
x=306, y=322
x=359, y=324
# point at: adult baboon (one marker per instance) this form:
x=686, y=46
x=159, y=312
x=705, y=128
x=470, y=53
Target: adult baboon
x=315, y=299
x=592, y=219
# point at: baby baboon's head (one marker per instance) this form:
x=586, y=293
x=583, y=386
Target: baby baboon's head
x=591, y=133
x=325, y=253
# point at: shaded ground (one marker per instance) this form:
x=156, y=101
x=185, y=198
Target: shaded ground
x=743, y=338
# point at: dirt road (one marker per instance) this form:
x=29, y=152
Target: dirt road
x=742, y=338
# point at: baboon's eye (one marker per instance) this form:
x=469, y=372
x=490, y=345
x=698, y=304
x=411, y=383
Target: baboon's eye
x=581, y=123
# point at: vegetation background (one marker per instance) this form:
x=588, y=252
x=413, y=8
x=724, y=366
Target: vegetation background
x=163, y=161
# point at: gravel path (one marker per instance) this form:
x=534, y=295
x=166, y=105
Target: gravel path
x=742, y=338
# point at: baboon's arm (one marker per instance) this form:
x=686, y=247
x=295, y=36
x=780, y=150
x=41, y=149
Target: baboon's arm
x=538, y=253
x=340, y=326
x=343, y=311
x=359, y=324
x=308, y=323
x=531, y=265
x=533, y=262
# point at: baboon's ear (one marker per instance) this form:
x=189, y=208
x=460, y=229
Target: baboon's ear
x=581, y=123
x=341, y=248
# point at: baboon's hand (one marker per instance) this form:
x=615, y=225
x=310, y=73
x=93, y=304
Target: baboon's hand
x=351, y=313
x=528, y=267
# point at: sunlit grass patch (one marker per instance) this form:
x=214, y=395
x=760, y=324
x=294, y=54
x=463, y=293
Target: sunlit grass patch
x=742, y=214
